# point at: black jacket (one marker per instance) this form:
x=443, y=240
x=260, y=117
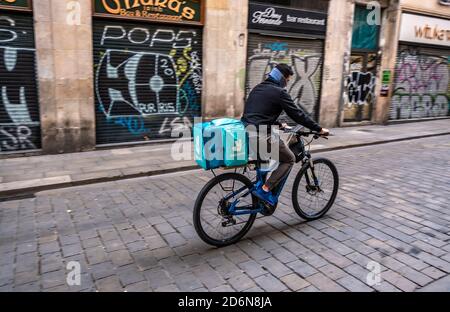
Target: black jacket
x=267, y=101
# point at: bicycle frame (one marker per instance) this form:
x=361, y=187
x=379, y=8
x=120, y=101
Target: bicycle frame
x=261, y=178
x=236, y=197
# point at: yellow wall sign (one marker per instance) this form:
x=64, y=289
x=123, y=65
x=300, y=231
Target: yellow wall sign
x=15, y=4
x=178, y=11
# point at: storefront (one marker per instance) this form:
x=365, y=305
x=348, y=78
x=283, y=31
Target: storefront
x=421, y=80
x=287, y=35
x=360, y=98
x=148, y=68
x=19, y=107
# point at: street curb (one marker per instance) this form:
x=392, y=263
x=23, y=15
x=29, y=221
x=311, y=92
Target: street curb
x=29, y=192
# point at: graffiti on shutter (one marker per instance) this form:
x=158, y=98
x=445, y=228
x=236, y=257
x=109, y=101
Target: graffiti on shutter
x=305, y=57
x=19, y=112
x=421, y=86
x=148, y=80
x=360, y=88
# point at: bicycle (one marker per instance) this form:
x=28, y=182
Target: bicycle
x=234, y=211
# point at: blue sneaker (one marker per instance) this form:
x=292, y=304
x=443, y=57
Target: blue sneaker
x=265, y=196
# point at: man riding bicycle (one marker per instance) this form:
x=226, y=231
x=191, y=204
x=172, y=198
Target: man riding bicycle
x=263, y=107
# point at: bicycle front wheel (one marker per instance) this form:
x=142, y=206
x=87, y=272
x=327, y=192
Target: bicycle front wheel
x=315, y=190
x=213, y=221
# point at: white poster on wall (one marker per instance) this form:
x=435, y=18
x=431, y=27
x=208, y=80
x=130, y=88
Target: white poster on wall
x=424, y=29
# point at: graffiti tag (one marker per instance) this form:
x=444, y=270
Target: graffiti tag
x=151, y=83
x=307, y=66
x=19, y=123
x=421, y=86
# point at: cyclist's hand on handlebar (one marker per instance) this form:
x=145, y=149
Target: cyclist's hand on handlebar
x=285, y=126
x=325, y=132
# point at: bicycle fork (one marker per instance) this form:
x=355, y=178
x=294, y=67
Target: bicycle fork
x=316, y=186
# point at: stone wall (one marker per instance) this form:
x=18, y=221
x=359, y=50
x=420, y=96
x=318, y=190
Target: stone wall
x=224, y=57
x=65, y=74
x=337, y=53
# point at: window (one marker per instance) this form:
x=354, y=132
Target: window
x=365, y=36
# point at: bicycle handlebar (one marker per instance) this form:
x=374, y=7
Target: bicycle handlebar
x=307, y=133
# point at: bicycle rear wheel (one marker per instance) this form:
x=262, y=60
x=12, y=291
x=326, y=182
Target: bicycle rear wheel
x=312, y=201
x=212, y=220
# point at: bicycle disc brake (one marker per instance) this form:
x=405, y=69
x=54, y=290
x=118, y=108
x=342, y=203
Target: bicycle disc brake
x=312, y=189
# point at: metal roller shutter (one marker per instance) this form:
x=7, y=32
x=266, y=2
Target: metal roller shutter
x=19, y=108
x=148, y=79
x=304, y=55
x=421, y=83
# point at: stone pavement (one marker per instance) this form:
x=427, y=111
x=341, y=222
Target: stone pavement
x=137, y=235
x=442, y=285
x=34, y=173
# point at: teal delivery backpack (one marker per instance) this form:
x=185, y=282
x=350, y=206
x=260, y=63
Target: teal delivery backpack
x=208, y=150
x=220, y=143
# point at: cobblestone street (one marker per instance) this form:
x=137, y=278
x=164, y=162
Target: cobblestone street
x=137, y=235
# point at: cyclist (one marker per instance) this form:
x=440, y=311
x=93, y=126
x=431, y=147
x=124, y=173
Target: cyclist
x=264, y=106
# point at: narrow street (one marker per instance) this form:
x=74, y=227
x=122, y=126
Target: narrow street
x=137, y=235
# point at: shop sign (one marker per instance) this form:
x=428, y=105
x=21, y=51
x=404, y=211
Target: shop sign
x=269, y=17
x=24, y=5
x=386, y=80
x=176, y=11
x=424, y=29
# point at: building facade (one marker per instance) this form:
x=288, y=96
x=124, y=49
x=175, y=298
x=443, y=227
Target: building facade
x=78, y=74
x=420, y=86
